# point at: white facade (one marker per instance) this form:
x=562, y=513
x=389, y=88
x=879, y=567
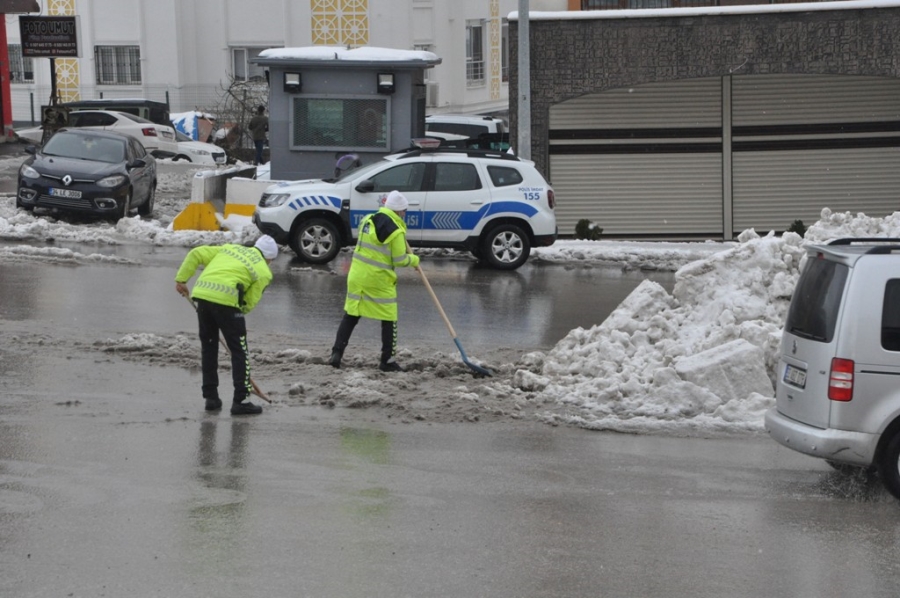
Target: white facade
x=187, y=51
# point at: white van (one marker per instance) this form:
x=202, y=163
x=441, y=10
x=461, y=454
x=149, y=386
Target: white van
x=837, y=392
x=461, y=124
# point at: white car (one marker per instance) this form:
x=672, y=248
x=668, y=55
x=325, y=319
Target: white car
x=490, y=203
x=198, y=152
x=158, y=140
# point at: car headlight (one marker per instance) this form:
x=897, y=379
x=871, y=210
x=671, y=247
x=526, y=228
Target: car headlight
x=112, y=181
x=272, y=200
x=200, y=152
x=29, y=173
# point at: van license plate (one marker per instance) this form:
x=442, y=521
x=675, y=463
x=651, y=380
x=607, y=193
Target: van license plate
x=795, y=376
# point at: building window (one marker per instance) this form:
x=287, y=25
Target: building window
x=474, y=53
x=241, y=67
x=21, y=69
x=118, y=65
x=339, y=123
x=504, y=51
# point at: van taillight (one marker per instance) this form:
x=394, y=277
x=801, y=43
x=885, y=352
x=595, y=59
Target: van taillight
x=551, y=199
x=840, y=381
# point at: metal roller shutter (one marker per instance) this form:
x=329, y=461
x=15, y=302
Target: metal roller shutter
x=806, y=142
x=645, y=160
x=634, y=195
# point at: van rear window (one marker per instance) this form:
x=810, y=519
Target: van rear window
x=817, y=300
x=890, y=316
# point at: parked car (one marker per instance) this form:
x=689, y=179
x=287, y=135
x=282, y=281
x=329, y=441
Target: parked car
x=87, y=171
x=837, y=396
x=156, y=139
x=198, y=152
x=490, y=203
x=463, y=124
x=152, y=110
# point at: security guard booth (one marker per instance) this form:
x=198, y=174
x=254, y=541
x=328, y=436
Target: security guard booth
x=331, y=108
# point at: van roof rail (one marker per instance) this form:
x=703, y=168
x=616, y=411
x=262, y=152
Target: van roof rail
x=852, y=240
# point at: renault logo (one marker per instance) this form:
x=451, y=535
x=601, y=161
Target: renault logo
x=67, y=180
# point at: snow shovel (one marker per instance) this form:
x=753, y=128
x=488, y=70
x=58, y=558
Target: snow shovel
x=476, y=368
x=256, y=390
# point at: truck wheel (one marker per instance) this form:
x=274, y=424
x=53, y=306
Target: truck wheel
x=316, y=241
x=889, y=465
x=506, y=247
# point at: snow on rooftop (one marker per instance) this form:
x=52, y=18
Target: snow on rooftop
x=341, y=53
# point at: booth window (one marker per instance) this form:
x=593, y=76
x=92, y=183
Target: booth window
x=340, y=123
x=118, y=65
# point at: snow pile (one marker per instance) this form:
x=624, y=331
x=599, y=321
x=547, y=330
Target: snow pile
x=698, y=359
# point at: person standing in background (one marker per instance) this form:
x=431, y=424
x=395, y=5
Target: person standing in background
x=259, y=128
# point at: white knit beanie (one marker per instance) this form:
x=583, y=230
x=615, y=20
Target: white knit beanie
x=396, y=201
x=267, y=246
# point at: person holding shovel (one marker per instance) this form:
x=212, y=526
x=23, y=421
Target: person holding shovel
x=372, y=281
x=231, y=284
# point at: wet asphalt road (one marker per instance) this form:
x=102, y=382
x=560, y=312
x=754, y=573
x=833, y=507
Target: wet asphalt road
x=143, y=495
x=113, y=483
x=533, y=307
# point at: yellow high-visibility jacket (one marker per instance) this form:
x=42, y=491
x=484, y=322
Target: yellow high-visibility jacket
x=372, y=282
x=224, y=268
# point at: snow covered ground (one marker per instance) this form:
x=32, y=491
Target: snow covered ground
x=697, y=361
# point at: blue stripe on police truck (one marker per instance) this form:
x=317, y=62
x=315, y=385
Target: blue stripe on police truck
x=327, y=201
x=454, y=220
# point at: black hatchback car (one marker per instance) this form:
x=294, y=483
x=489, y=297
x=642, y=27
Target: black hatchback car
x=95, y=172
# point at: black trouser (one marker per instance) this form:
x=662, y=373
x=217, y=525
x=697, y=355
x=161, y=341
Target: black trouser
x=388, y=336
x=213, y=319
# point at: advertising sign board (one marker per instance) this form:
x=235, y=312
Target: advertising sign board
x=49, y=37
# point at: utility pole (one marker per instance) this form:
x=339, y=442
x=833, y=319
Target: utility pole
x=524, y=64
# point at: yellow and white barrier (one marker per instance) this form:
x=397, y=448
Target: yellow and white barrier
x=218, y=194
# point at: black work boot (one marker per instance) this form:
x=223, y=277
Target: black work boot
x=390, y=366
x=245, y=408
x=213, y=404
x=336, y=355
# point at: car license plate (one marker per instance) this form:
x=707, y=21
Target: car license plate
x=70, y=193
x=795, y=376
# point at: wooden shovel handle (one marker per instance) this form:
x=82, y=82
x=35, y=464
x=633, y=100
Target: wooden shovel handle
x=256, y=389
x=434, y=298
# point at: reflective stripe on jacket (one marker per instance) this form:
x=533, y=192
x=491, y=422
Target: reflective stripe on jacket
x=372, y=282
x=224, y=268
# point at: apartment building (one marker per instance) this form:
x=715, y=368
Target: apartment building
x=187, y=52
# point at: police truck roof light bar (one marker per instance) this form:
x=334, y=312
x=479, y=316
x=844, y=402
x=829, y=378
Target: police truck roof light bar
x=426, y=143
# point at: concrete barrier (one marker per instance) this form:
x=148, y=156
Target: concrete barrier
x=209, y=206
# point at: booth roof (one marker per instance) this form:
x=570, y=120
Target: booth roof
x=348, y=56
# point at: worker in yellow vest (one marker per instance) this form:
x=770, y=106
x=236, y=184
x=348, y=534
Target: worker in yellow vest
x=372, y=281
x=231, y=284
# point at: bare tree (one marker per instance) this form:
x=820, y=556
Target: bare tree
x=233, y=109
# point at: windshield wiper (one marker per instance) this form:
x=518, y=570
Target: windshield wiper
x=804, y=334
